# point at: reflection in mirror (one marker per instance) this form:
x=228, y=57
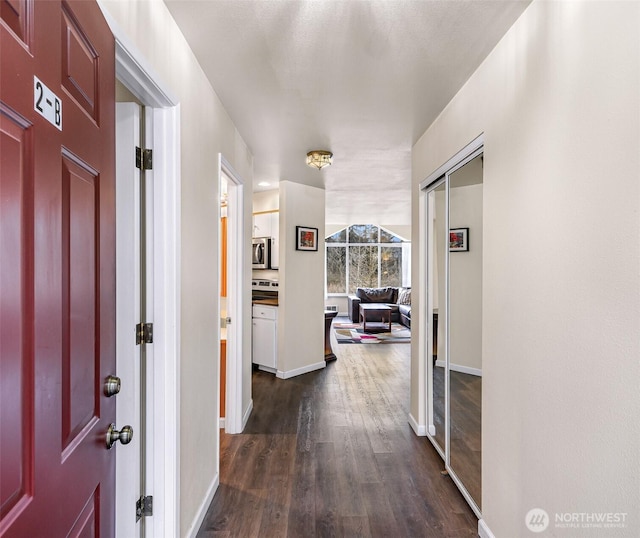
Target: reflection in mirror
x=465, y=325
x=436, y=311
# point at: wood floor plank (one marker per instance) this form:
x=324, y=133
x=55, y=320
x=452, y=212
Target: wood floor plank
x=302, y=504
x=326, y=497
x=330, y=453
x=275, y=514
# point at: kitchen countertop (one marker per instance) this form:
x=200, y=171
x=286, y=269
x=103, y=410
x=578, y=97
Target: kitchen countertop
x=266, y=302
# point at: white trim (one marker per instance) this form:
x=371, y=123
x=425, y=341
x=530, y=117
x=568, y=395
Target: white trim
x=419, y=429
x=432, y=430
x=483, y=530
x=133, y=70
x=461, y=368
x=299, y=371
x=127, y=312
x=465, y=369
x=452, y=163
x=247, y=413
x=166, y=315
x=221, y=423
x=202, y=509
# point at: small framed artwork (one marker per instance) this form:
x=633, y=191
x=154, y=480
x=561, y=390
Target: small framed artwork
x=459, y=240
x=306, y=238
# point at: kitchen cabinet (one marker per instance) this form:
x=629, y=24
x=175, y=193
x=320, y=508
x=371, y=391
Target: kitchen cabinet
x=267, y=224
x=264, y=343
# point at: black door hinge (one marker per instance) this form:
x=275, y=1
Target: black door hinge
x=144, y=507
x=144, y=333
x=144, y=159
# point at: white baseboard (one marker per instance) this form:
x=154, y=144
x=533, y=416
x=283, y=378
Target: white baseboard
x=466, y=370
x=221, y=423
x=483, y=530
x=247, y=414
x=202, y=509
x=299, y=371
x=432, y=430
x=460, y=368
x=418, y=429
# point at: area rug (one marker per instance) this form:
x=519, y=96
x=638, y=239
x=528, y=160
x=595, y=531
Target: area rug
x=352, y=333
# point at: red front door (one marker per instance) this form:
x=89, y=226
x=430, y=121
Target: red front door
x=57, y=269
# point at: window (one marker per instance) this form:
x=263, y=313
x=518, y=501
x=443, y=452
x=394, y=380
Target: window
x=367, y=256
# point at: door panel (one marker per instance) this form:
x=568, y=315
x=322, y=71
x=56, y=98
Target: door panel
x=79, y=64
x=16, y=15
x=57, y=251
x=79, y=233
x=16, y=313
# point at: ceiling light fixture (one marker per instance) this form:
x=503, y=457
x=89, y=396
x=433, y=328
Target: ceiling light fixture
x=264, y=184
x=319, y=158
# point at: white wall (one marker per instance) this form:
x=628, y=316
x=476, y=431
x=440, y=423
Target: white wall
x=557, y=100
x=266, y=200
x=206, y=130
x=301, y=285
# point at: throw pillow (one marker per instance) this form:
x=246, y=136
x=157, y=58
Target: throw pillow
x=404, y=296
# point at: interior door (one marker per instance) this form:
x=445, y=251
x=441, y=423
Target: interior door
x=57, y=278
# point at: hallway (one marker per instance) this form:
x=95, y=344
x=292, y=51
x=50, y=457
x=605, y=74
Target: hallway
x=331, y=453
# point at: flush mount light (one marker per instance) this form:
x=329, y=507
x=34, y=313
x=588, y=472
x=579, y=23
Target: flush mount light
x=319, y=158
x=264, y=184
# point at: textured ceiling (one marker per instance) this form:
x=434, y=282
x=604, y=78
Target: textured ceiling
x=363, y=79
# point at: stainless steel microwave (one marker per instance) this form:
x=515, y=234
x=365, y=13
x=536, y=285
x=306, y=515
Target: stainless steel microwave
x=261, y=253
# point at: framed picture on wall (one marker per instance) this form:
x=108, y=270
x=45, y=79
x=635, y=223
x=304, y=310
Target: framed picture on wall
x=306, y=238
x=459, y=240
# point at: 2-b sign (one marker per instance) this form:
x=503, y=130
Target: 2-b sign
x=46, y=103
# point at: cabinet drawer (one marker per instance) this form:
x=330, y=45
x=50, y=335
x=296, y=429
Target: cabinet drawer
x=265, y=312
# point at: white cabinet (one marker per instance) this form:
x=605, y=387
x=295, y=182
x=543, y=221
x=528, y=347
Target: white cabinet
x=262, y=224
x=264, y=344
x=268, y=225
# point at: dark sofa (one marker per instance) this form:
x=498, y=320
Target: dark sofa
x=399, y=299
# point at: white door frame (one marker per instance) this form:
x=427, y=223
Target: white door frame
x=133, y=71
x=233, y=422
x=127, y=313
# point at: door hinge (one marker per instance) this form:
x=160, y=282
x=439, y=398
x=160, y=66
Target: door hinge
x=144, y=159
x=144, y=333
x=144, y=507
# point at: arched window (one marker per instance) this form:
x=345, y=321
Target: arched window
x=365, y=255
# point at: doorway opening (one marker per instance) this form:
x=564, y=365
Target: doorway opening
x=232, y=268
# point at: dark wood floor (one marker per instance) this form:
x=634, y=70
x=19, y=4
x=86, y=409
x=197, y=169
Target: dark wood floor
x=330, y=453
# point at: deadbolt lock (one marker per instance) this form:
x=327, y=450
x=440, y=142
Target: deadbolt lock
x=112, y=385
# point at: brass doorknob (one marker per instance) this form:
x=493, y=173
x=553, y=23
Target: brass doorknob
x=125, y=435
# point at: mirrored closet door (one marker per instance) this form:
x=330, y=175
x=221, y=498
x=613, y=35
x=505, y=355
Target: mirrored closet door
x=454, y=319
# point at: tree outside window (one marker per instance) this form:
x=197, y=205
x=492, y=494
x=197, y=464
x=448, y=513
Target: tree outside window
x=364, y=255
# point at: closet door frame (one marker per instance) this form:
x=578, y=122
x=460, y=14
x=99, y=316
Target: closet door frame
x=433, y=181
